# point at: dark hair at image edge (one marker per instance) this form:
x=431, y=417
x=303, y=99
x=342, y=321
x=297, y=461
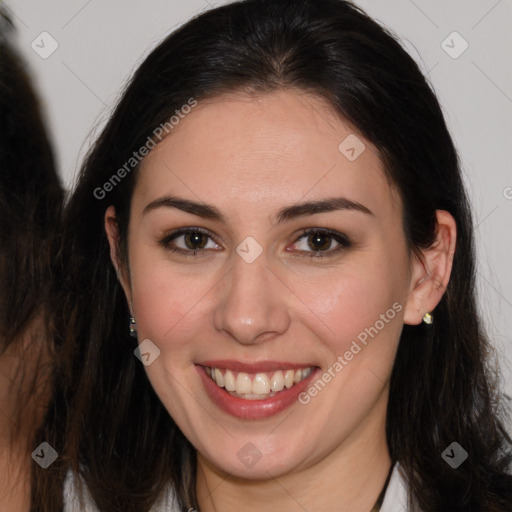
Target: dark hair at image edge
x=30, y=208
x=30, y=195
x=119, y=436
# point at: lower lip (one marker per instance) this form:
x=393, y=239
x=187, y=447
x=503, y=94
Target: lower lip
x=252, y=409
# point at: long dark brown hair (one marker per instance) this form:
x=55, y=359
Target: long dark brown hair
x=30, y=195
x=119, y=438
x=31, y=198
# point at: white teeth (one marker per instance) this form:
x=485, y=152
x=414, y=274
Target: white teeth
x=229, y=381
x=277, y=382
x=260, y=384
x=219, y=379
x=243, y=384
x=289, y=378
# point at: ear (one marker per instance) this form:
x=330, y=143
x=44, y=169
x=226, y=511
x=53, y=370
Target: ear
x=112, y=231
x=431, y=270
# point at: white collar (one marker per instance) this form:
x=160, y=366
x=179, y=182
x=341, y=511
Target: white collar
x=395, y=499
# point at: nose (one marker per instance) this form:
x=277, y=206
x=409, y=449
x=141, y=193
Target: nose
x=252, y=305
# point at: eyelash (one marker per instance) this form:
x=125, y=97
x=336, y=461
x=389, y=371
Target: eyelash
x=343, y=240
x=166, y=242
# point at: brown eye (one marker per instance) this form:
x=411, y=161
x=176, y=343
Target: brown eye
x=318, y=243
x=190, y=241
x=195, y=240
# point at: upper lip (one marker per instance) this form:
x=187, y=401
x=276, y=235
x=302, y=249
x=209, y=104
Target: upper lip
x=259, y=367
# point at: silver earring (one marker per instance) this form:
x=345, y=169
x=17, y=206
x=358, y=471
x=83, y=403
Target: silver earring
x=428, y=318
x=133, y=327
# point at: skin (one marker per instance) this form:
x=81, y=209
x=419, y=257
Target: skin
x=250, y=157
x=24, y=393
x=14, y=488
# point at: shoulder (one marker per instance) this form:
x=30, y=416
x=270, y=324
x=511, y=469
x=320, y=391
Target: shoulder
x=74, y=501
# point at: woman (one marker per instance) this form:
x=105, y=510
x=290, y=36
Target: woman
x=30, y=205
x=269, y=282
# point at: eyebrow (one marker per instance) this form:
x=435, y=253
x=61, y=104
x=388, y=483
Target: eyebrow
x=285, y=214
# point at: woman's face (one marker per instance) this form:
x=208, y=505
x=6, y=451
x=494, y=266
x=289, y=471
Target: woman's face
x=258, y=299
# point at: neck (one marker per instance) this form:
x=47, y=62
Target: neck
x=335, y=483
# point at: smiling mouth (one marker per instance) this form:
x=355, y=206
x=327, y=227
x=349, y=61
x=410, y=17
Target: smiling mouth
x=257, y=386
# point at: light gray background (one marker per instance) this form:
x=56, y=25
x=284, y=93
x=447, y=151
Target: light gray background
x=102, y=42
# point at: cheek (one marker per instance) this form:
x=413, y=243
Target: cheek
x=170, y=311
x=362, y=319
x=168, y=305
x=355, y=299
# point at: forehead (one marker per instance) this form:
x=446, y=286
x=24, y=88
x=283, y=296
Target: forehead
x=265, y=151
